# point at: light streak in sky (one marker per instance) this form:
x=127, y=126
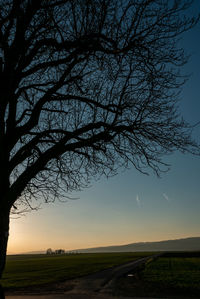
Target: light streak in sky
x=138, y=201
x=166, y=197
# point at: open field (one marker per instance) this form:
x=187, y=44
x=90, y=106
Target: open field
x=29, y=270
x=171, y=275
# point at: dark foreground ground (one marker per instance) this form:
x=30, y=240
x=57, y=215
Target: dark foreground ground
x=126, y=281
x=73, y=296
x=99, y=285
x=96, y=284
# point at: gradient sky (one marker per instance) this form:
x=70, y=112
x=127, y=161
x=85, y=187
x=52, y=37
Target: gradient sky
x=130, y=207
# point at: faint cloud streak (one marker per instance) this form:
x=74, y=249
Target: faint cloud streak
x=138, y=201
x=166, y=197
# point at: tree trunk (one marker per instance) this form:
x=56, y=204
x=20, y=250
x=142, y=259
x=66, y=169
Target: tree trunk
x=2, y=295
x=4, y=232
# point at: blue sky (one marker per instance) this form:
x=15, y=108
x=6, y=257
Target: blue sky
x=130, y=207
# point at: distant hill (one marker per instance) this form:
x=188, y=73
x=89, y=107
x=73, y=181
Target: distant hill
x=187, y=244
x=29, y=252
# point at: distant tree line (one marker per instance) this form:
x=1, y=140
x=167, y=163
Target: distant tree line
x=57, y=251
x=60, y=251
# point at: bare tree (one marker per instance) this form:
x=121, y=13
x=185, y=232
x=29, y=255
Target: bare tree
x=86, y=86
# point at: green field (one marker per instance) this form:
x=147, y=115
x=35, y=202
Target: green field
x=174, y=272
x=167, y=276
x=29, y=270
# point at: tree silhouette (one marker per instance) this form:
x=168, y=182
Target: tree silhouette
x=86, y=86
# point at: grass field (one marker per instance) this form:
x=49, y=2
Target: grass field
x=167, y=276
x=174, y=272
x=29, y=270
